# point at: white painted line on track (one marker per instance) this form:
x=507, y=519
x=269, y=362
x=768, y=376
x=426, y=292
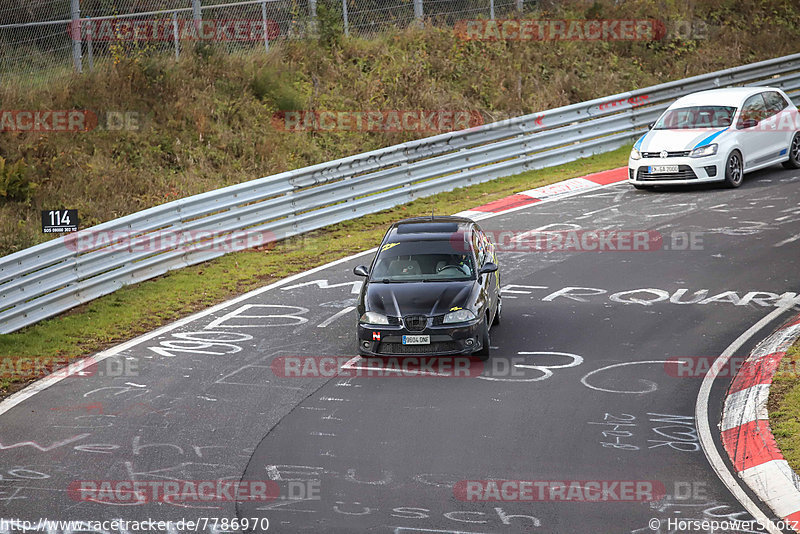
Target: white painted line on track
x=335, y=316
x=704, y=428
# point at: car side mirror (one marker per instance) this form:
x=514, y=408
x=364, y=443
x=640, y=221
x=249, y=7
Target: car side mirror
x=361, y=270
x=488, y=267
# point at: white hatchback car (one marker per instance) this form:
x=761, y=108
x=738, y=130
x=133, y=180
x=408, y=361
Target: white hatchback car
x=717, y=136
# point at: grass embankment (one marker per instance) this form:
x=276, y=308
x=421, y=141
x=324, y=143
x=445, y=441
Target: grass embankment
x=784, y=406
x=206, y=123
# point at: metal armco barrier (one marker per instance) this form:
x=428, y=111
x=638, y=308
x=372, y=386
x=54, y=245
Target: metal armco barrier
x=47, y=279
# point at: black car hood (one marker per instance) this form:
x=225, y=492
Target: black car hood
x=424, y=298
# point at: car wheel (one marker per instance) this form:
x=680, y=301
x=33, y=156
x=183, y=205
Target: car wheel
x=499, y=311
x=641, y=187
x=734, y=170
x=794, y=153
x=483, y=354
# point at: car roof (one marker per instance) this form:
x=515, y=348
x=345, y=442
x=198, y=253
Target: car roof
x=429, y=228
x=728, y=96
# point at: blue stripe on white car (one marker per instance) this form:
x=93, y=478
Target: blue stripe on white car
x=707, y=140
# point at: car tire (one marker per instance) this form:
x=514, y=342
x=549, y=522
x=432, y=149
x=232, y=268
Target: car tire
x=499, y=312
x=641, y=187
x=734, y=170
x=794, y=153
x=483, y=353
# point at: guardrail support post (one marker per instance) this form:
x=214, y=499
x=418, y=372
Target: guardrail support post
x=491, y=9
x=519, y=6
x=75, y=15
x=175, y=35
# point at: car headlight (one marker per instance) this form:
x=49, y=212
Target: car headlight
x=460, y=316
x=635, y=154
x=702, y=151
x=373, y=318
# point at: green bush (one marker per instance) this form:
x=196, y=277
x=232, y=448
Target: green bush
x=15, y=182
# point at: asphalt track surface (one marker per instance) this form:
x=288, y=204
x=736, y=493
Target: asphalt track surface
x=202, y=401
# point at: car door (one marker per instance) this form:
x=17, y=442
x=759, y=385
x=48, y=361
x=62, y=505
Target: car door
x=780, y=122
x=753, y=139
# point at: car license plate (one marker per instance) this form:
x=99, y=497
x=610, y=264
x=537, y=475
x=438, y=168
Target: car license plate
x=663, y=169
x=416, y=340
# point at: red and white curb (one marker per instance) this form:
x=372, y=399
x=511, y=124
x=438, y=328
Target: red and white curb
x=548, y=192
x=746, y=435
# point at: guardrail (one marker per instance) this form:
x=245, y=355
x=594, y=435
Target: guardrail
x=52, y=277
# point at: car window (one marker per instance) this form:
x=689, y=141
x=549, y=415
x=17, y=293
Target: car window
x=479, y=245
x=753, y=108
x=775, y=102
x=418, y=261
x=488, y=246
x=696, y=117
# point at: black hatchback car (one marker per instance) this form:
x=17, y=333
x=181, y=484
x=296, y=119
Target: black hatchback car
x=433, y=289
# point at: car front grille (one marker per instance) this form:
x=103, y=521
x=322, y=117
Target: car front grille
x=677, y=154
x=415, y=323
x=399, y=348
x=684, y=173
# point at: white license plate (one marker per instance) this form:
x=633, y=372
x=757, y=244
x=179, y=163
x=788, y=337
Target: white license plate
x=416, y=340
x=663, y=169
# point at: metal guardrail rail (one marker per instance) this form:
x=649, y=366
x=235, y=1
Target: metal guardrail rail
x=47, y=279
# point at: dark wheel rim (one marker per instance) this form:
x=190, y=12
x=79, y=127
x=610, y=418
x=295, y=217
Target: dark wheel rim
x=795, y=150
x=735, y=168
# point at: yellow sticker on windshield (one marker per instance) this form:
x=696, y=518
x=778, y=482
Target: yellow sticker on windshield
x=387, y=246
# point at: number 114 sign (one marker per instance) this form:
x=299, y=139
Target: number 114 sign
x=59, y=221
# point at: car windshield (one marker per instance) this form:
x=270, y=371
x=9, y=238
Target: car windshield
x=696, y=117
x=423, y=261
